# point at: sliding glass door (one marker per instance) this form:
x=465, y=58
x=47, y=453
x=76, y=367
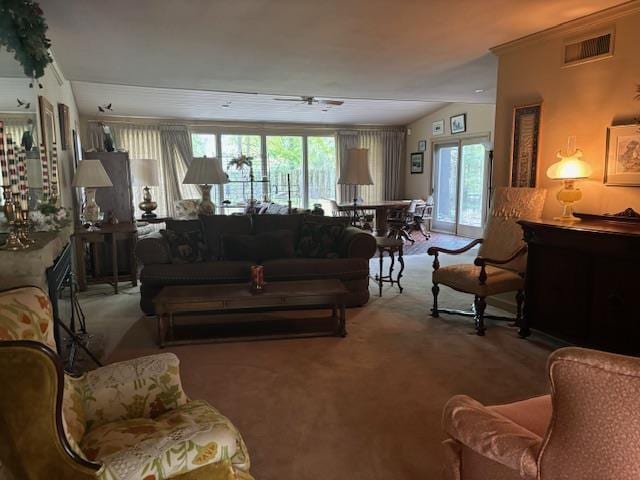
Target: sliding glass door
x=460, y=170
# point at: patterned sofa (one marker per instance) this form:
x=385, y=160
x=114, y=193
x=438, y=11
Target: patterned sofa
x=347, y=260
x=125, y=421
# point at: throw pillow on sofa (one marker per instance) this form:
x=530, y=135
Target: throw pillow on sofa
x=186, y=247
x=318, y=240
x=260, y=247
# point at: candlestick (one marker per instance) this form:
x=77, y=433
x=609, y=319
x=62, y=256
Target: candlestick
x=13, y=242
x=13, y=171
x=54, y=173
x=23, y=184
x=45, y=173
x=4, y=166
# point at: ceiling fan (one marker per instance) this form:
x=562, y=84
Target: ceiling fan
x=311, y=100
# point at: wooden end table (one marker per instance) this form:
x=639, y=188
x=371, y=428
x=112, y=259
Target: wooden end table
x=237, y=298
x=105, y=233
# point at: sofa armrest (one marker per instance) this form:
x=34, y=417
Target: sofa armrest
x=153, y=248
x=492, y=435
x=357, y=243
x=144, y=387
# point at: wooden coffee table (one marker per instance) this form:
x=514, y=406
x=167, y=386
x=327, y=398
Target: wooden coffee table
x=237, y=298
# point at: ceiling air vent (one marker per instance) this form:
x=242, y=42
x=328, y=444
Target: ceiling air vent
x=588, y=49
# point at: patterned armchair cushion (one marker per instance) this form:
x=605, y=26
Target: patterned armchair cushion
x=181, y=440
x=25, y=314
x=465, y=278
x=141, y=388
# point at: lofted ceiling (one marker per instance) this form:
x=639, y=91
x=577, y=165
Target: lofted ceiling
x=207, y=105
x=419, y=53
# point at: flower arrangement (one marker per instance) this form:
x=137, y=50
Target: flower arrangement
x=23, y=31
x=50, y=218
x=241, y=161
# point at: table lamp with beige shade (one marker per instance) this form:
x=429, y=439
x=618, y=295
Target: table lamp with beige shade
x=206, y=172
x=356, y=172
x=569, y=168
x=144, y=173
x=91, y=175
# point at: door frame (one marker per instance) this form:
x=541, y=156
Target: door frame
x=459, y=229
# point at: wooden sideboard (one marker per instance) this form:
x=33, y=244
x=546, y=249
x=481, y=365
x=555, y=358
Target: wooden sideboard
x=583, y=281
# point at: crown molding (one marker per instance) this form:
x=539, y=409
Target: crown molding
x=572, y=27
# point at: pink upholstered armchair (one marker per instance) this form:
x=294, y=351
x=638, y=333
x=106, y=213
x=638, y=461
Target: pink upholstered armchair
x=587, y=429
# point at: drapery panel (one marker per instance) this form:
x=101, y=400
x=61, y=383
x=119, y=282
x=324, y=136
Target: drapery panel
x=386, y=151
x=177, y=154
x=168, y=144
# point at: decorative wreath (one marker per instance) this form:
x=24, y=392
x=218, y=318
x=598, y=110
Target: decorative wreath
x=23, y=31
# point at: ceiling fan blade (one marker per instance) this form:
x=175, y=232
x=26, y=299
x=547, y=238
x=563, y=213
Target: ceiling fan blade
x=288, y=99
x=331, y=102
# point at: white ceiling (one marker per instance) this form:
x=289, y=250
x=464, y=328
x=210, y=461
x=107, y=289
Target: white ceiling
x=207, y=105
x=426, y=50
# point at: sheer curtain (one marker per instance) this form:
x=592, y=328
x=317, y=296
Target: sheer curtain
x=386, y=151
x=177, y=154
x=141, y=141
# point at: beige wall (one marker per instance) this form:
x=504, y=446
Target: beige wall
x=56, y=89
x=581, y=100
x=480, y=120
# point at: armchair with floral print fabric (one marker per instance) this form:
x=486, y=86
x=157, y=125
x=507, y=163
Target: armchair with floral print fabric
x=126, y=421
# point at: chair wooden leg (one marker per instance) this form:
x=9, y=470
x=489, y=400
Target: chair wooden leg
x=519, y=302
x=481, y=305
x=434, y=310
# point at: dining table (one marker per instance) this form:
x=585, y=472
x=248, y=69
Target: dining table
x=381, y=209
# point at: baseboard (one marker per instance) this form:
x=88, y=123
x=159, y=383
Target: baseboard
x=506, y=304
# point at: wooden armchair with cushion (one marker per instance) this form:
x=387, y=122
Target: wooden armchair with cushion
x=587, y=429
x=501, y=261
x=126, y=421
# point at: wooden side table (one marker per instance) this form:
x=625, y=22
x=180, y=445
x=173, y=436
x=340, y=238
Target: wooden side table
x=391, y=246
x=111, y=233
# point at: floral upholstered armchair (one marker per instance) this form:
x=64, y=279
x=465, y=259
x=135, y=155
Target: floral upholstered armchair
x=126, y=421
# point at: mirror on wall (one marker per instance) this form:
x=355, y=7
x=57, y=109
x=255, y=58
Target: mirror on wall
x=19, y=117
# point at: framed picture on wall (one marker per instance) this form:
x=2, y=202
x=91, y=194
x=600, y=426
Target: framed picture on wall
x=417, y=162
x=458, y=123
x=65, y=126
x=622, y=165
x=422, y=145
x=437, y=127
x=524, y=145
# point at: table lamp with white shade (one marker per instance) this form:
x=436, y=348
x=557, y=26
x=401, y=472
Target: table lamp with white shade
x=569, y=168
x=144, y=173
x=91, y=175
x=206, y=172
x=356, y=172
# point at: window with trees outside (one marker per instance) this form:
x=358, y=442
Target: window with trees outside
x=238, y=190
x=285, y=164
x=308, y=162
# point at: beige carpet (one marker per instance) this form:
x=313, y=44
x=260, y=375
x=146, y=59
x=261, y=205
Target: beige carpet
x=364, y=407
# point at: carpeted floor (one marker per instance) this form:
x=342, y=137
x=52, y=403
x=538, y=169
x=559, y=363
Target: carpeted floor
x=364, y=407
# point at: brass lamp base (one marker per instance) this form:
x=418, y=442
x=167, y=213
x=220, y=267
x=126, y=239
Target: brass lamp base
x=147, y=205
